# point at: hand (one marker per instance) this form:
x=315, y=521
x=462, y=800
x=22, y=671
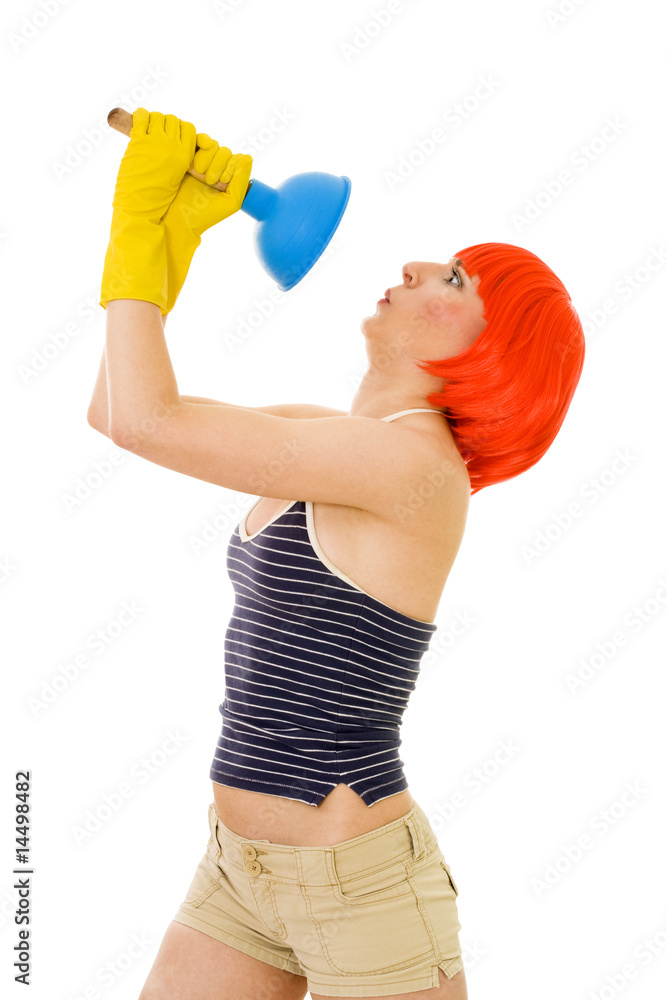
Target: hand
x=211, y=158
x=160, y=150
x=197, y=206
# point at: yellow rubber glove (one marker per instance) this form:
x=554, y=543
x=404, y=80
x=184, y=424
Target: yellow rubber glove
x=197, y=206
x=158, y=154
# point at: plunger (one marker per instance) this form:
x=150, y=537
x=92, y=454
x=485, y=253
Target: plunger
x=295, y=221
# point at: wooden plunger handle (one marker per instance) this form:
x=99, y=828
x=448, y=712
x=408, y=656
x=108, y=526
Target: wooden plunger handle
x=121, y=120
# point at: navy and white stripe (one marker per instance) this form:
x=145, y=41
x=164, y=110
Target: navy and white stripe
x=318, y=673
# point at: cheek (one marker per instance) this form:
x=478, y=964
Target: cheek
x=435, y=312
x=461, y=325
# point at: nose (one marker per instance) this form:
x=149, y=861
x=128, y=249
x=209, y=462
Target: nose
x=409, y=272
x=413, y=271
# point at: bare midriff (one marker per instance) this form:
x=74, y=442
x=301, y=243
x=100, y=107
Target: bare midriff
x=405, y=568
x=341, y=815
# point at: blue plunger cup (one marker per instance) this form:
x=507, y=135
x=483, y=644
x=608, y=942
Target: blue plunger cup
x=296, y=221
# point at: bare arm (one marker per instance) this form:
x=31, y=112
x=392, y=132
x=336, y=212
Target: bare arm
x=296, y=411
x=98, y=409
x=329, y=460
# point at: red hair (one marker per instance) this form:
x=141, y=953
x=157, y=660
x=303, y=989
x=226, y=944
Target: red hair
x=506, y=395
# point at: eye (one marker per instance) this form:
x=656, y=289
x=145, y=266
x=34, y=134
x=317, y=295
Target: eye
x=455, y=274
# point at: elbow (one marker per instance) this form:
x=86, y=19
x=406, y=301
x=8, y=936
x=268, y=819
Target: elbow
x=123, y=431
x=124, y=436
x=141, y=432
x=96, y=423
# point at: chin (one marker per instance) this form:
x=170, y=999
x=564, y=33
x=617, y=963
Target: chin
x=369, y=319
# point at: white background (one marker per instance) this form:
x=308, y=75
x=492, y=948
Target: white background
x=363, y=85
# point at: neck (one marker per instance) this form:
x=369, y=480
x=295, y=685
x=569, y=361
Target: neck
x=379, y=395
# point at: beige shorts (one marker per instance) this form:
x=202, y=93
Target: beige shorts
x=372, y=916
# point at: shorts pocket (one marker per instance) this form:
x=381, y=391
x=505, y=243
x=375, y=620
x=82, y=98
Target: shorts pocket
x=370, y=922
x=445, y=866
x=371, y=883
x=267, y=907
x=208, y=877
x=431, y=858
x=436, y=891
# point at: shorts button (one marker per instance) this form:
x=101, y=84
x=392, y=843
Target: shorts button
x=249, y=852
x=254, y=868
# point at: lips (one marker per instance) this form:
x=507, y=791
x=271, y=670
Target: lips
x=387, y=295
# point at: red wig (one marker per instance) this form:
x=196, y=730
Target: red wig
x=506, y=395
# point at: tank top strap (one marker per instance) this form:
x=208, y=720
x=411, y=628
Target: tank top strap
x=417, y=409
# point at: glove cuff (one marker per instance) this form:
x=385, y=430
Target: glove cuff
x=135, y=265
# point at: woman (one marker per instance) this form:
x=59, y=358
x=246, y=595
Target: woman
x=321, y=872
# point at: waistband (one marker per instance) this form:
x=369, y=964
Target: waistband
x=409, y=836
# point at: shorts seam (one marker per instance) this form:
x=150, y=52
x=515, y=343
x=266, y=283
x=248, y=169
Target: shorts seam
x=455, y=964
x=194, y=920
x=424, y=982
x=423, y=913
x=204, y=894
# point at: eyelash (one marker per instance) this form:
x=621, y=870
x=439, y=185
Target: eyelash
x=455, y=272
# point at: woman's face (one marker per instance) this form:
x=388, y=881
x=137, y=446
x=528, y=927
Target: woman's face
x=436, y=312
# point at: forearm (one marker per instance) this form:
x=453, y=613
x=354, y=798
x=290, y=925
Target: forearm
x=141, y=382
x=98, y=408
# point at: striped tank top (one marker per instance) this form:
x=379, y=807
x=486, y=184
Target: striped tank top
x=318, y=673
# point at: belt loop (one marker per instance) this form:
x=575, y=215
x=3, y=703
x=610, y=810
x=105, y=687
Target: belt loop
x=418, y=845
x=213, y=824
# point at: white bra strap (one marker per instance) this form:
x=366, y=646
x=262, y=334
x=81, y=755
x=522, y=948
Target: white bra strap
x=418, y=409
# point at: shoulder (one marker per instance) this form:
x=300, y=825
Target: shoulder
x=439, y=487
x=357, y=461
